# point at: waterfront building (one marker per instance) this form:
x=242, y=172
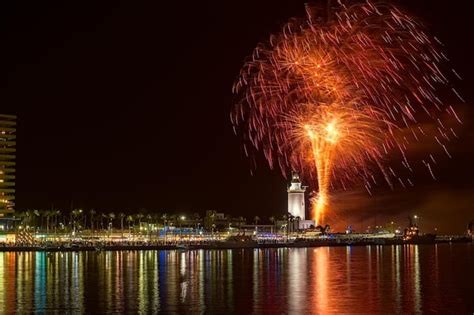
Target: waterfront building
x=296, y=203
x=7, y=163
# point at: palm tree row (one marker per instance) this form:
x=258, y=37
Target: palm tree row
x=77, y=219
x=58, y=220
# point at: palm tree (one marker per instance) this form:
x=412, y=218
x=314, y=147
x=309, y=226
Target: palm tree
x=156, y=218
x=122, y=217
x=75, y=214
x=27, y=218
x=197, y=219
x=102, y=217
x=164, y=217
x=285, y=218
x=241, y=222
x=48, y=214
x=130, y=219
x=148, y=218
x=36, y=214
x=291, y=218
x=92, y=213
x=111, y=220
x=20, y=215
x=256, y=219
x=56, y=214
x=272, y=220
x=41, y=214
x=84, y=220
x=172, y=219
x=209, y=219
x=297, y=219
x=140, y=216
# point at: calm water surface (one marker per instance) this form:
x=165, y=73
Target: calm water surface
x=372, y=279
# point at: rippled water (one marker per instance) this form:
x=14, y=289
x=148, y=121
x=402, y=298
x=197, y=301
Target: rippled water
x=385, y=279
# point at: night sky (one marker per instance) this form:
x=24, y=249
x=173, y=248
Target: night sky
x=124, y=105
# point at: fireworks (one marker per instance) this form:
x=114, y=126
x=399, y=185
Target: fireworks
x=329, y=96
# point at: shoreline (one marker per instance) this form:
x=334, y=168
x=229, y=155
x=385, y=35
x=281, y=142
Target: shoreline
x=222, y=245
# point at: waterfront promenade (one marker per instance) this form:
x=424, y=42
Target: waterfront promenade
x=220, y=242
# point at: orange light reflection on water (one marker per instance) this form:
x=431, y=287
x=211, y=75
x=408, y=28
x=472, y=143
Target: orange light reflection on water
x=331, y=280
x=321, y=264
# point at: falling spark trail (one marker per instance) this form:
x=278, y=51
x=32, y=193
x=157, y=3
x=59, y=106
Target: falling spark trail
x=332, y=97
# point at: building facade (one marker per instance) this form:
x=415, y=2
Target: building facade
x=7, y=163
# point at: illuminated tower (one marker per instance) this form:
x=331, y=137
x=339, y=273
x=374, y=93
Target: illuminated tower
x=7, y=163
x=296, y=197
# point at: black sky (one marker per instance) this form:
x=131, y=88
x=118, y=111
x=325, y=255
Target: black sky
x=124, y=105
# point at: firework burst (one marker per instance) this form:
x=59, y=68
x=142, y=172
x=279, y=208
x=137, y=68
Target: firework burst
x=328, y=95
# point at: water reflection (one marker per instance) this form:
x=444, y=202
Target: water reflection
x=389, y=279
x=297, y=268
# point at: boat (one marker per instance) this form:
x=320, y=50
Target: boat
x=412, y=235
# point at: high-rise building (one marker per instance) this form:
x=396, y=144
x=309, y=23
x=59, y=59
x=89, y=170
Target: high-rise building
x=7, y=163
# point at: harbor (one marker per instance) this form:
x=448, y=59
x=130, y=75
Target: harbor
x=232, y=242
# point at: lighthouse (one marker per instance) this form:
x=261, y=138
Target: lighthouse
x=296, y=197
x=296, y=206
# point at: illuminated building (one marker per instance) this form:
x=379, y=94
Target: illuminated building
x=7, y=163
x=296, y=203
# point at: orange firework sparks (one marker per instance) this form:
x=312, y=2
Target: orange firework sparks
x=336, y=137
x=328, y=96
